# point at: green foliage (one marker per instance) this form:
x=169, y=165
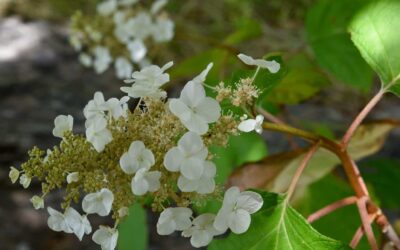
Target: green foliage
x=278, y=226
x=326, y=27
x=302, y=81
x=133, y=230
x=246, y=147
x=324, y=192
x=383, y=175
x=375, y=33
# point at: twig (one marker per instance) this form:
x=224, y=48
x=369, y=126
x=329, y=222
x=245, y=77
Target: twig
x=331, y=207
x=300, y=170
x=360, y=232
x=361, y=116
x=270, y=117
x=362, y=208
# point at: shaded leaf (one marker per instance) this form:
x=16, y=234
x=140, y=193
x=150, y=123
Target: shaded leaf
x=275, y=172
x=302, y=81
x=383, y=175
x=375, y=32
x=133, y=230
x=277, y=226
x=326, y=27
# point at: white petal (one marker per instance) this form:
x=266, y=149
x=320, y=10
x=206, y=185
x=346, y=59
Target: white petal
x=239, y=221
x=190, y=143
x=153, y=178
x=138, y=50
x=140, y=186
x=206, y=186
x=186, y=185
x=192, y=94
x=272, y=66
x=221, y=220
x=250, y=201
x=157, y=6
x=192, y=168
x=209, y=169
x=246, y=59
x=231, y=196
x=209, y=109
x=173, y=159
x=202, y=77
x=247, y=125
x=182, y=218
x=201, y=238
x=196, y=124
x=179, y=109
x=128, y=165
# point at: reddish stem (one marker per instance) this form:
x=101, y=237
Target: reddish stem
x=361, y=116
x=360, y=232
x=270, y=117
x=331, y=207
x=300, y=170
x=362, y=207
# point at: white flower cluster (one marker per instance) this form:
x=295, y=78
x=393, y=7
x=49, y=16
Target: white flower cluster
x=189, y=158
x=131, y=35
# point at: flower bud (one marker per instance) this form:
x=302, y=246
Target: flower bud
x=72, y=177
x=37, y=202
x=25, y=181
x=14, y=174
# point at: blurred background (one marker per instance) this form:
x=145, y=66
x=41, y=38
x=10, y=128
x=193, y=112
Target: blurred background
x=325, y=84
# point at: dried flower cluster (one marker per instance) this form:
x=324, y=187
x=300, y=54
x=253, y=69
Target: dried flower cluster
x=120, y=34
x=158, y=152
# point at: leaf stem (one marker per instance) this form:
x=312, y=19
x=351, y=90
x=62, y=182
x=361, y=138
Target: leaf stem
x=360, y=117
x=331, y=207
x=362, y=208
x=300, y=170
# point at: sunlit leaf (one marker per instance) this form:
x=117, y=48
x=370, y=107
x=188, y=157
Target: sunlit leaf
x=375, y=32
x=326, y=27
x=277, y=226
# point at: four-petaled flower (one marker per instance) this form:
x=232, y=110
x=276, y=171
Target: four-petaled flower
x=123, y=68
x=204, y=185
x=174, y=219
x=106, y=237
x=37, y=202
x=102, y=59
x=148, y=81
x=202, y=230
x=272, y=66
x=79, y=224
x=252, y=124
x=236, y=209
x=98, y=134
x=194, y=109
x=145, y=181
x=62, y=123
x=98, y=203
x=188, y=157
x=57, y=221
x=137, y=157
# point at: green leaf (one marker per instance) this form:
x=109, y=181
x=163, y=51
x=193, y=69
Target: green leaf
x=133, y=233
x=302, y=81
x=326, y=27
x=277, y=226
x=245, y=147
x=383, y=174
x=375, y=32
x=324, y=192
